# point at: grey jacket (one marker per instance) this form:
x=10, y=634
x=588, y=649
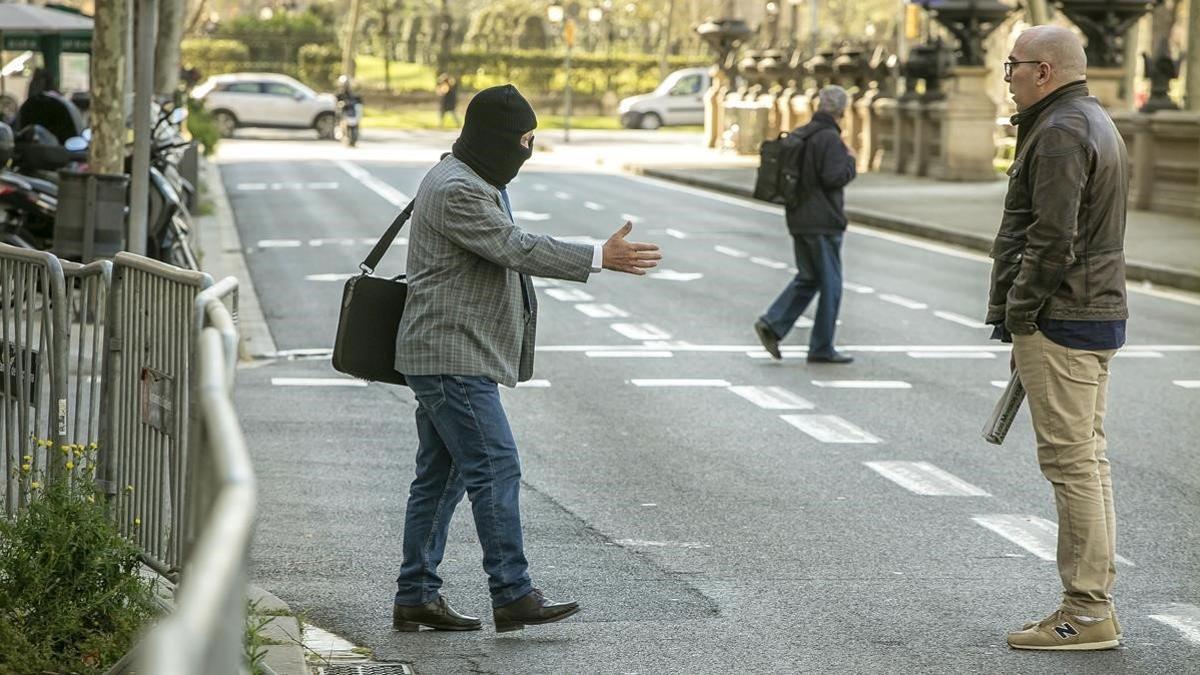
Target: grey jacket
x=471, y=309
x=1060, y=250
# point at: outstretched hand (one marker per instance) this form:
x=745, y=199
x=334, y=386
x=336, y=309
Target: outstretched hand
x=631, y=257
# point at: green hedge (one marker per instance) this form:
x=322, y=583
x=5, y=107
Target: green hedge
x=543, y=71
x=320, y=65
x=201, y=52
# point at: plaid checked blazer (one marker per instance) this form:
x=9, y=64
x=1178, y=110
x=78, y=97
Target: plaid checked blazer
x=471, y=309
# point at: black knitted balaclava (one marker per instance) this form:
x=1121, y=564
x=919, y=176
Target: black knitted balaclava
x=490, y=142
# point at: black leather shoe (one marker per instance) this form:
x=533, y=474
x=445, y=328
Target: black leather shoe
x=835, y=357
x=532, y=608
x=769, y=340
x=438, y=615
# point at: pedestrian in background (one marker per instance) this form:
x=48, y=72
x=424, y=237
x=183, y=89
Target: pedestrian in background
x=1058, y=291
x=469, y=324
x=447, y=91
x=816, y=219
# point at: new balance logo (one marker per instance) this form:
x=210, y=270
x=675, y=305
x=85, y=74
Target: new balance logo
x=1065, y=631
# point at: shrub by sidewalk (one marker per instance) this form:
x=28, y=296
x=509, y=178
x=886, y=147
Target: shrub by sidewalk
x=71, y=597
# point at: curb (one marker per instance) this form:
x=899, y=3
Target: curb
x=1135, y=270
x=285, y=653
x=222, y=255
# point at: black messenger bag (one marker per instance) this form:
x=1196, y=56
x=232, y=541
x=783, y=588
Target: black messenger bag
x=365, y=345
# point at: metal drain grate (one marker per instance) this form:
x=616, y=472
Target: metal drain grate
x=366, y=669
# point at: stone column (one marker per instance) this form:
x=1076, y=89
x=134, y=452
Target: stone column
x=1106, y=85
x=887, y=120
x=713, y=107
x=967, y=143
x=1191, y=90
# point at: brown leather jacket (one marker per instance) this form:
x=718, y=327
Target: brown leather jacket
x=1060, y=253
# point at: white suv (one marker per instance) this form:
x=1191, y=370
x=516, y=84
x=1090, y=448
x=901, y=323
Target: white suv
x=266, y=100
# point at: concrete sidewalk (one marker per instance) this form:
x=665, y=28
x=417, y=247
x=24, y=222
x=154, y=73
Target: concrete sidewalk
x=1159, y=248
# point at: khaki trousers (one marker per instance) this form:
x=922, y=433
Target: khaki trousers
x=1066, y=391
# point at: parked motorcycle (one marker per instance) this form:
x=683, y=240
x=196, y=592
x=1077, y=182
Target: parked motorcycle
x=349, y=116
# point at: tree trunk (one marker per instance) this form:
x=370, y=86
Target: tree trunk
x=351, y=37
x=107, y=151
x=166, y=48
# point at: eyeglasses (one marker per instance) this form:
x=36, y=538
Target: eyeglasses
x=1008, y=67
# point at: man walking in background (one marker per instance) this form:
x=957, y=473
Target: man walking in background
x=1058, y=292
x=816, y=219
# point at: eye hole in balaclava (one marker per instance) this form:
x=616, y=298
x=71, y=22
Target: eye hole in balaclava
x=490, y=142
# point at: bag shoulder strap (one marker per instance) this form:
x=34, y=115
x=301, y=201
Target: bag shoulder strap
x=381, y=246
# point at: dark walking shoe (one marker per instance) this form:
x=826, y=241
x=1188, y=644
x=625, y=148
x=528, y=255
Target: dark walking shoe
x=437, y=614
x=835, y=357
x=532, y=608
x=769, y=340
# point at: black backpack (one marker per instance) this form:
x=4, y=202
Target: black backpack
x=778, y=178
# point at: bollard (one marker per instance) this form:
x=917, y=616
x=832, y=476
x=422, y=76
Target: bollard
x=90, y=222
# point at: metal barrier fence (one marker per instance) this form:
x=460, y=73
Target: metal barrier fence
x=204, y=634
x=33, y=372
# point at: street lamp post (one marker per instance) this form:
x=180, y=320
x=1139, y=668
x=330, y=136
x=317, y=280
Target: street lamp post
x=557, y=17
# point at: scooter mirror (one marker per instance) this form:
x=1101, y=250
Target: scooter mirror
x=178, y=115
x=87, y=134
x=76, y=144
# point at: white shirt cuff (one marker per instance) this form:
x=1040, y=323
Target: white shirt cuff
x=597, y=257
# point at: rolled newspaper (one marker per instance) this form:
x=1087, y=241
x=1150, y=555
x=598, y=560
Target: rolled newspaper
x=1005, y=411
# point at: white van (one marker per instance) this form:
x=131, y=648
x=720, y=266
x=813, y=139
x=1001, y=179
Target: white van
x=679, y=99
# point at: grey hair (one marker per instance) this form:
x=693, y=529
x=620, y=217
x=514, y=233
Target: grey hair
x=833, y=100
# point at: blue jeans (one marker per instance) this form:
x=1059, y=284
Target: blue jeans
x=819, y=261
x=466, y=446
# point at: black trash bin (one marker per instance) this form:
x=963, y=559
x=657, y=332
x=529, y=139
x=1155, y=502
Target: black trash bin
x=90, y=222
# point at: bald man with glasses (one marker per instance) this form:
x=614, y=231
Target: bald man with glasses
x=1058, y=294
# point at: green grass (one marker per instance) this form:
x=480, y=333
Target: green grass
x=405, y=77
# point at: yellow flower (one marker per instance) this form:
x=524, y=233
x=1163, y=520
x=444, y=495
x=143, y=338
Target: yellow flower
x=26, y=467
x=91, y=499
x=137, y=522
x=79, y=451
x=70, y=465
x=129, y=488
x=28, y=458
x=35, y=485
x=93, y=446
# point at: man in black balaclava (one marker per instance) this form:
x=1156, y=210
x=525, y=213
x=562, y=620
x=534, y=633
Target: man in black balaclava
x=469, y=324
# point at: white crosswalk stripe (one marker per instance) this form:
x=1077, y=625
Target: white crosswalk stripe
x=602, y=311
x=772, y=398
x=830, y=429
x=959, y=319
x=1187, y=384
x=863, y=384
x=902, y=301
x=767, y=262
x=640, y=331
x=924, y=478
x=569, y=294
x=679, y=383
x=628, y=354
x=1036, y=535
x=732, y=252
x=952, y=355
x=316, y=382
x=1182, y=617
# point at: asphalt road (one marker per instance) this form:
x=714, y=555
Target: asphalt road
x=712, y=510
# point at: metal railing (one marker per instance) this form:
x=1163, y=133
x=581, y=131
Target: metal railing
x=204, y=634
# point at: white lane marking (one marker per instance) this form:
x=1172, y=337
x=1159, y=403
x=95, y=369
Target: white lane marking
x=533, y=384
x=1140, y=355
x=629, y=354
x=279, y=243
x=530, y=215
x=875, y=349
x=1144, y=288
x=902, y=301
x=952, y=355
x=863, y=384
x=767, y=262
x=391, y=194
x=640, y=331
x=316, y=382
x=672, y=275
x=569, y=295
x=331, y=242
x=959, y=319
x=829, y=429
x=642, y=543
x=999, y=384
x=328, y=277
x=602, y=311
x=327, y=185
x=539, y=187
x=924, y=478
x=631, y=218
x=562, y=195
x=251, y=187
x=1182, y=617
x=310, y=352
x=1187, y=384
x=679, y=383
x=1036, y=535
x=772, y=398
x=539, y=282
x=581, y=239
x=593, y=206
x=857, y=288
x=671, y=232
x=732, y=252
